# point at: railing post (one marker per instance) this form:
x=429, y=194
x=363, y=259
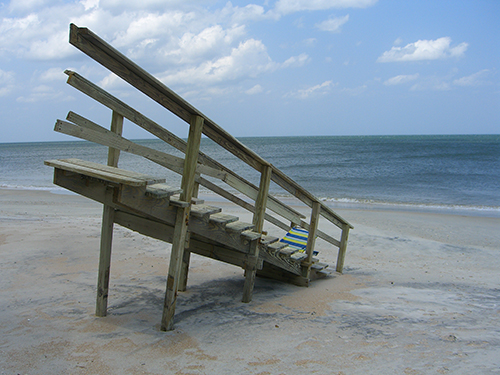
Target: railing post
x=258, y=222
x=261, y=201
x=108, y=216
x=181, y=223
x=342, y=248
x=313, y=227
x=186, y=258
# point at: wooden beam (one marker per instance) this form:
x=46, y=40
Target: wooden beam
x=116, y=128
x=342, y=248
x=313, y=227
x=181, y=223
x=250, y=271
x=261, y=201
x=108, y=216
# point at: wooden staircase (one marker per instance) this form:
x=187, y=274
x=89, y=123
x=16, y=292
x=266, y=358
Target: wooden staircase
x=175, y=215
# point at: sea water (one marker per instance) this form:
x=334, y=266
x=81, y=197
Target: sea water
x=454, y=173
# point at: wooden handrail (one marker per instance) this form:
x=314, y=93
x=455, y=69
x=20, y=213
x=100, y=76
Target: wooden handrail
x=113, y=103
x=106, y=55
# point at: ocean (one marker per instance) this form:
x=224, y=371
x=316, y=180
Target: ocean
x=445, y=173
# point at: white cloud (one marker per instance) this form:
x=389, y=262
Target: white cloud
x=25, y=5
x=424, y=50
x=41, y=93
x=354, y=91
x=475, y=79
x=250, y=12
x=431, y=84
x=398, y=41
x=188, y=43
x=296, y=61
x=290, y=6
x=249, y=59
x=6, y=82
x=209, y=43
x=257, y=89
x=53, y=74
x=333, y=24
x=320, y=89
x=398, y=80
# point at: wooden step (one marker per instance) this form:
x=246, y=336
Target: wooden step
x=222, y=219
x=323, y=273
x=251, y=235
x=319, y=266
x=175, y=201
x=203, y=210
x=298, y=256
x=287, y=251
x=104, y=172
x=197, y=201
x=238, y=227
x=275, y=247
x=160, y=191
x=267, y=240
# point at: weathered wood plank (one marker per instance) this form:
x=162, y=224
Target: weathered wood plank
x=104, y=258
x=342, y=248
x=181, y=223
x=250, y=271
x=313, y=227
x=159, y=191
x=250, y=235
x=117, y=128
x=107, y=138
x=267, y=240
x=238, y=227
x=204, y=210
x=223, y=219
x=275, y=247
x=298, y=256
x=103, y=172
x=108, y=215
x=261, y=200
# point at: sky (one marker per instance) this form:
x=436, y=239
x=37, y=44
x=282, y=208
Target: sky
x=261, y=68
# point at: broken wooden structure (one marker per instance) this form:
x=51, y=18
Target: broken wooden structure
x=147, y=205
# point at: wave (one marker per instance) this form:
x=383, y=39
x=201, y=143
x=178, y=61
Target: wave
x=451, y=208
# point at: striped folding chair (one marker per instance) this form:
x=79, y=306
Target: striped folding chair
x=297, y=238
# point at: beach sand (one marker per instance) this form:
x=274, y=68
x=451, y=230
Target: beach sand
x=419, y=294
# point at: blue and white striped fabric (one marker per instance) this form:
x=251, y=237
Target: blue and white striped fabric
x=297, y=238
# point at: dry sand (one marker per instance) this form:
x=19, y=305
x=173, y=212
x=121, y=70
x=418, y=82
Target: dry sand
x=420, y=295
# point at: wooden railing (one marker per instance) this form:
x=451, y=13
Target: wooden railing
x=116, y=62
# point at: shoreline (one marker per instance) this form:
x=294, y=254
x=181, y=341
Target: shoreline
x=335, y=204
x=419, y=295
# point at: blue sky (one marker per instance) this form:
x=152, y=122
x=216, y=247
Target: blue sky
x=262, y=68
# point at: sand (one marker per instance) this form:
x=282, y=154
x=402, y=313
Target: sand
x=419, y=295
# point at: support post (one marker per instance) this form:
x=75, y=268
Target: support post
x=258, y=222
x=181, y=223
x=250, y=271
x=311, y=239
x=261, y=201
x=313, y=228
x=187, y=254
x=342, y=248
x=108, y=216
